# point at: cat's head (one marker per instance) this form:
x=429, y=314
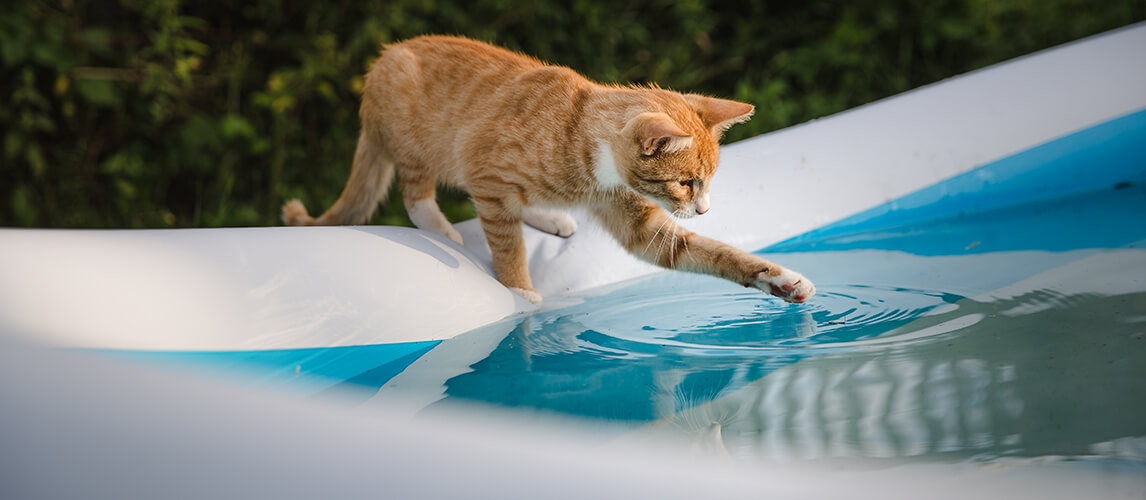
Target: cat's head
x=672, y=152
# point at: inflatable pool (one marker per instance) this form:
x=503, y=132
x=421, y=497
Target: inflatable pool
x=977, y=245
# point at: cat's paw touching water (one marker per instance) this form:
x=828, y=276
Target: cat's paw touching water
x=531, y=295
x=788, y=285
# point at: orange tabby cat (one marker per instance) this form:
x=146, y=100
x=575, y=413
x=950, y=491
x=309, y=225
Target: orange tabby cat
x=519, y=135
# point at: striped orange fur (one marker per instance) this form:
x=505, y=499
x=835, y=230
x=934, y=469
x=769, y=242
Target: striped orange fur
x=520, y=136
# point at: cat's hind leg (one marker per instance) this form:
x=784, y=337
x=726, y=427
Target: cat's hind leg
x=418, y=194
x=549, y=221
x=426, y=214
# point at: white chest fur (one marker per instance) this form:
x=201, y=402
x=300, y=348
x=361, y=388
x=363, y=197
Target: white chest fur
x=605, y=168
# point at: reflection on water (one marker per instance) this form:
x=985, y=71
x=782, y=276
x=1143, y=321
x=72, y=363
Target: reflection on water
x=614, y=356
x=1058, y=382
x=1038, y=354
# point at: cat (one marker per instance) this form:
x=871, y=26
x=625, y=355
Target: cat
x=523, y=137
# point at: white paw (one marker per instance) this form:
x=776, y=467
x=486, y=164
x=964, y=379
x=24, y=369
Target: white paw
x=530, y=295
x=788, y=285
x=552, y=222
x=453, y=234
x=426, y=215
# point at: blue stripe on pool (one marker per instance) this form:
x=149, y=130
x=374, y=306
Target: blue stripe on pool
x=1103, y=164
x=308, y=370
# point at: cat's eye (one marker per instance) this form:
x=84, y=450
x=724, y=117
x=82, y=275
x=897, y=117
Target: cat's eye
x=688, y=184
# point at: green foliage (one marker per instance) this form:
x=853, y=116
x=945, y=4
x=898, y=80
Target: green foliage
x=164, y=113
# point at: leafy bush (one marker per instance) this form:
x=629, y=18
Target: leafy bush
x=163, y=113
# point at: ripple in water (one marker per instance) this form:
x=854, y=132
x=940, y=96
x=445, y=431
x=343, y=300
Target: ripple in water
x=714, y=319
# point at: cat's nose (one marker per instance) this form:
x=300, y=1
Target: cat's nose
x=702, y=204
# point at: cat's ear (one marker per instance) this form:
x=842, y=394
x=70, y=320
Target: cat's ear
x=719, y=114
x=657, y=133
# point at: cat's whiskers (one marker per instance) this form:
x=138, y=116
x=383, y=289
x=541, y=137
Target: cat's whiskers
x=651, y=240
x=664, y=239
x=661, y=243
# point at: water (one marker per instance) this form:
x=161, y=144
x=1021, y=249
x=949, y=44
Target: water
x=991, y=351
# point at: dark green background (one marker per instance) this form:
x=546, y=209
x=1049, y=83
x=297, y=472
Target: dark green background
x=162, y=113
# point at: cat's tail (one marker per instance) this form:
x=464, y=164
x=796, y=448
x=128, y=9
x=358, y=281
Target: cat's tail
x=295, y=214
x=368, y=185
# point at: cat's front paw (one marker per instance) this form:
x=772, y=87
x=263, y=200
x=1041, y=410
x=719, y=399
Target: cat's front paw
x=527, y=294
x=788, y=285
